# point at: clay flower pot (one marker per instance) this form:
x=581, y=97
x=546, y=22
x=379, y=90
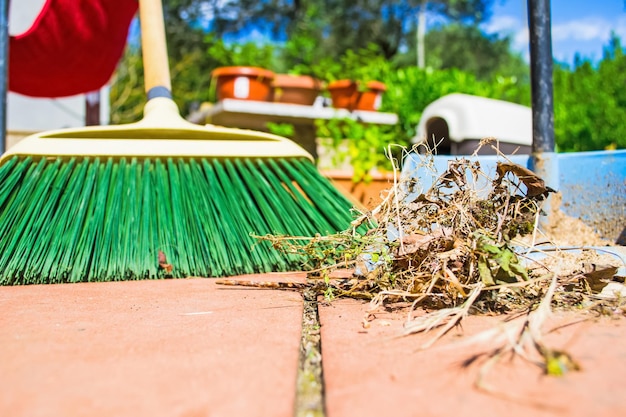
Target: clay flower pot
x=372, y=97
x=348, y=94
x=296, y=89
x=243, y=83
x=367, y=194
x=343, y=93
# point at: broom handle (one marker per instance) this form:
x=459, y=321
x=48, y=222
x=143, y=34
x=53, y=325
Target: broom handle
x=154, y=49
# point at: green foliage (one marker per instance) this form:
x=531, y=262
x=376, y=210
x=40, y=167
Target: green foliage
x=182, y=37
x=300, y=54
x=410, y=90
x=344, y=24
x=498, y=263
x=190, y=80
x=190, y=74
x=360, y=64
x=467, y=48
x=227, y=54
x=365, y=145
x=285, y=130
x=590, y=100
x=127, y=95
x=590, y=103
x=305, y=45
x=189, y=77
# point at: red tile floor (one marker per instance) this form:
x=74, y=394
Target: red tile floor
x=192, y=348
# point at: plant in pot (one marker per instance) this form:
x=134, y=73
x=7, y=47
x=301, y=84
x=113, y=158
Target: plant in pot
x=241, y=70
x=359, y=153
x=356, y=95
x=367, y=149
x=301, y=81
x=296, y=89
x=354, y=80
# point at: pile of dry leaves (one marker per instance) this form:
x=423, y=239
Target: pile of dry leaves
x=466, y=234
x=466, y=244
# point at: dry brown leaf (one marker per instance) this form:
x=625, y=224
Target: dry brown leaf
x=598, y=276
x=163, y=262
x=535, y=185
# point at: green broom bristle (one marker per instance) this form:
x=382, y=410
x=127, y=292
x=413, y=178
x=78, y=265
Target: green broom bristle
x=93, y=219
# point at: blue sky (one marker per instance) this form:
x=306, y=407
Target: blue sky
x=582, y=26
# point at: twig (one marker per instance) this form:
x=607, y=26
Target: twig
x=448, y=318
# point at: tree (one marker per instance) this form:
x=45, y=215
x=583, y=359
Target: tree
x=318, y=37
x=343, y=24
x=467, y=48
x=590, y=103
x=183, y=26
x=127, y=95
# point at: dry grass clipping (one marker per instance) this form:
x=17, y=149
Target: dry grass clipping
x=456, y=248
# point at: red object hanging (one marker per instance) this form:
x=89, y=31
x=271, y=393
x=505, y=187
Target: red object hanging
x=72, y=47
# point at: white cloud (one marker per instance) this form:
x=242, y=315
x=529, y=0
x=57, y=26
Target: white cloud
x=521, y=42
x=586, y=29
x=513, y=27
x=620, y=28
x=502, y=24
x=585, y=36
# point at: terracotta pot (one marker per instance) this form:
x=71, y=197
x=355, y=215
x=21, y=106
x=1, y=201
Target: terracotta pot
x=296, y=89
x=343, y=93
x=243, y=83
x=347, y=94
x=367, y=195
x=372, y=98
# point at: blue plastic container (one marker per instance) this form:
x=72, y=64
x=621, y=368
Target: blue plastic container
x=592, y=185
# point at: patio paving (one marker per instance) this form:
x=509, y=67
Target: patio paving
x=192, y=348
x=148, y=348
x=373, y=372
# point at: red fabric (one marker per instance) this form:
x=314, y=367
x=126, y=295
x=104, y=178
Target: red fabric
x=72, y=48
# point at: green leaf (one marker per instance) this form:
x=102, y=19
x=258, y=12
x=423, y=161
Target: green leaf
x=485, y=271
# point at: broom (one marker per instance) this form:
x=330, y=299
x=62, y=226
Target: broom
x=157, y=198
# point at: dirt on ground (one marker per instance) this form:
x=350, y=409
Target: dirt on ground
x=563, y=230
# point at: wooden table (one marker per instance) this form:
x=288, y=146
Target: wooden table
x=256, y=114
